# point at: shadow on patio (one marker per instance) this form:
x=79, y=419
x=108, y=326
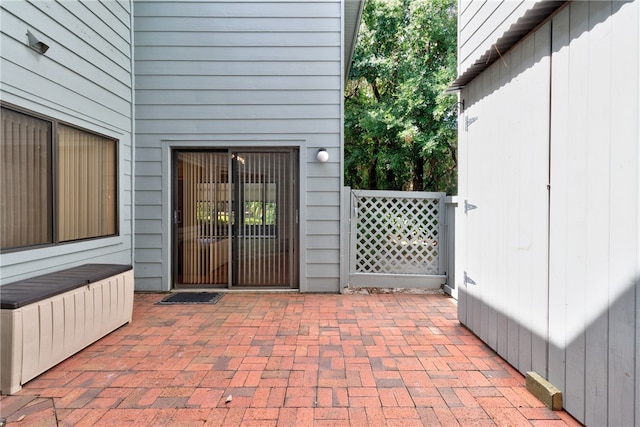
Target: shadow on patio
x=272, y=359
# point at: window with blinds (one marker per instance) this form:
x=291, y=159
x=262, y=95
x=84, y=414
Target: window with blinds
x=59, y=183
x=86, y=185
x=25, y=187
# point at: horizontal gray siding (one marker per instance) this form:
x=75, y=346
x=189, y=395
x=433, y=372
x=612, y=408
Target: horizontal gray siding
x=246, y=68
x=235, y=126
x=229, y=24
x=231, y=112
x=311, y=39
x=227, y=74
x=234, y=97
x=85, y=79
x=258, y=53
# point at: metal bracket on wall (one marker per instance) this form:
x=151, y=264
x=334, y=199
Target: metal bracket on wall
x=468, y=280
x=468, y=207
x=468, y=121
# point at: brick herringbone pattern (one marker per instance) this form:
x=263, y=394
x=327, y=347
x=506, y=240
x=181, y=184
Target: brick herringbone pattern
x=285, y=360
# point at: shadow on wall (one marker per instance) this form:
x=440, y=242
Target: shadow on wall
x=597, y=366
x=579, y=325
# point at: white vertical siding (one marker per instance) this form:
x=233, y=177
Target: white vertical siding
x=560, y=231
x=505, y=171
x=573, y=87
x=595, y=260
x=85, y=79
x=227, y=74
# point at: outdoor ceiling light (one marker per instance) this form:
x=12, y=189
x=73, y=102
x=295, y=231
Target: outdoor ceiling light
x=323, y=155
x=35, y=44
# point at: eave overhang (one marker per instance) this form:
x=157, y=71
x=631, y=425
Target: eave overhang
x=531, y=19
x=352, y=17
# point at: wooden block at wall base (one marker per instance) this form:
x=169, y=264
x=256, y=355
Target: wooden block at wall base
x=546, y=392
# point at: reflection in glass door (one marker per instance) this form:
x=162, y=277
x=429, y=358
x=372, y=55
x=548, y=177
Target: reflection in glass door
x=202, y=216
x=235, y=219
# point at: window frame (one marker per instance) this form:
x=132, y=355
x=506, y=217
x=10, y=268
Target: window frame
x=54, y=184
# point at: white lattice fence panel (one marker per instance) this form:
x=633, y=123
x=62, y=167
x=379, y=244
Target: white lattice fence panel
x=397, y=233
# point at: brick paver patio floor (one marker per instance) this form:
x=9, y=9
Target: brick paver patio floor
x=283, y=359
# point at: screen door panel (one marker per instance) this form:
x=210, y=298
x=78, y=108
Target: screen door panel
x=264, y=226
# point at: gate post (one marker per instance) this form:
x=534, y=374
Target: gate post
x=449, y=252
x=442, y=235
x=345, y=239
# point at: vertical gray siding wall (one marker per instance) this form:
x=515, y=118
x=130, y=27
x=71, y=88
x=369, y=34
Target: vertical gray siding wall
x=595, y=220
x=239, y=74
x=85, y=79
x=586, y=99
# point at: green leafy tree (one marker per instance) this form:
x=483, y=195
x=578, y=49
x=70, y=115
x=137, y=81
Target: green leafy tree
x=400, y=126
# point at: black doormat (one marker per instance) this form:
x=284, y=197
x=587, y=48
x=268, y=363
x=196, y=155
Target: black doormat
x=192, y=298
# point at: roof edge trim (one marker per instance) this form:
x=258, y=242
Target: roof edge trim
x=531, y=20
x=351, y=47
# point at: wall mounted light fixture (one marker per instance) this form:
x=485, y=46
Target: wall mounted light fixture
x=35, y=44
x=322, y=155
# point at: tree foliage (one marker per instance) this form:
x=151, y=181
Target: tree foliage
x=400, y=126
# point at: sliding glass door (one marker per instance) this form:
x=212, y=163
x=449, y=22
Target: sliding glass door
x=235, y=219
x=201, y=216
